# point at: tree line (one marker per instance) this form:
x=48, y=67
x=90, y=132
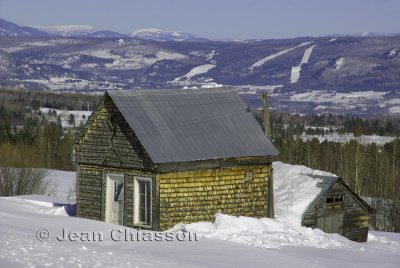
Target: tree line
x=373, y=171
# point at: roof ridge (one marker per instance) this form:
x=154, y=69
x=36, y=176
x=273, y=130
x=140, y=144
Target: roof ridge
x=160, y=92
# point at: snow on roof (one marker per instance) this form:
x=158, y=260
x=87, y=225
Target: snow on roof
x=295, y=188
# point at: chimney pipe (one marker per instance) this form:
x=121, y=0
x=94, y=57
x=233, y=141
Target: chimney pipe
x=267, y=131
x=267, y=123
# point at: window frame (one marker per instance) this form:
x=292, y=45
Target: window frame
x=111, y=178
x=136, y=201
x=335, y=204
x=334, y=200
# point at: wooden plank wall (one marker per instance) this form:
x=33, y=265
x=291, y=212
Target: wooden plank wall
x=355, y=217
x=108, y=145
x=91, y=193
x=109, y=141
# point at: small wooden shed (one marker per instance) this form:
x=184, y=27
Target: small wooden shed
x=153, y=158
x=338, y=209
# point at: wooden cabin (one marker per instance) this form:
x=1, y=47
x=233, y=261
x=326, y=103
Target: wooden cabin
x=338, y=209
x=150, y=159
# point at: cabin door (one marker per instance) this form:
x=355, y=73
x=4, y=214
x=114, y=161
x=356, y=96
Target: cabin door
x=115, y=199
x=331, y=224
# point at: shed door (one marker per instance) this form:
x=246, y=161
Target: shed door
x=115, y=199
x=331, y=224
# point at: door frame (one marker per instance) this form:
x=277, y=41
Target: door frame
x=110, y=179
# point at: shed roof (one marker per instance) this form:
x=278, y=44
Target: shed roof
x=192, y=124
x=327, y=183
x=297, y=189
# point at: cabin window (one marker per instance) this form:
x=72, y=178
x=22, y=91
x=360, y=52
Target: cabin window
x=335, y=199
x=334, y=204
x=143, y=201
x=330, y=200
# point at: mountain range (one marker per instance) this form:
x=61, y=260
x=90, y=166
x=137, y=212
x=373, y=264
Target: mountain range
x=356, y=75
x=11, y=29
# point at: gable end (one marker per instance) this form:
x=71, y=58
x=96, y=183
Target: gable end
x=107, y=140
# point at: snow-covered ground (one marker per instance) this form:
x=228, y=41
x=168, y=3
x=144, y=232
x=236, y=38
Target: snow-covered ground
x=227, y=242
x=345, y=138
x=79, y=116
x=338, y=97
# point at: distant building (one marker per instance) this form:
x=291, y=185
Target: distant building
x=154, y=158
x=319, y=199
x=338, y=209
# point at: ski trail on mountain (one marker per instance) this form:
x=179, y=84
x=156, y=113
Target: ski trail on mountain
x=295, y=74
x=273, y=56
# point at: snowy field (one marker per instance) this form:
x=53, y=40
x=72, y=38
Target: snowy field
x=227, y=242
x=79, y=116
x=349, y=98
x=345, y=138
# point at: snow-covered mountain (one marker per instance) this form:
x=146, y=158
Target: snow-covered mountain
x=67, y=30
x=312, y=75
x=376, y=34
x=79, y=31
x=105, y=34
x=11, y=29
x=164, y=36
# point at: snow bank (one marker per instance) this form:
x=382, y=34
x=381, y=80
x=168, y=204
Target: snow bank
x=295, y=187
x=263, y=233
x=48, y=205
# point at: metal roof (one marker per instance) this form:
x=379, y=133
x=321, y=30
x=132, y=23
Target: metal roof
x=192, y=124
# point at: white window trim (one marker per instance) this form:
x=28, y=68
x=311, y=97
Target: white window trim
x=110, y=178
x=136, y=201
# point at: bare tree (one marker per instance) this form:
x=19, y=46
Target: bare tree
x=24, y=181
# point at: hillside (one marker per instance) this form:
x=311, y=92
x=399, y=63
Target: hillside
x=342, y=75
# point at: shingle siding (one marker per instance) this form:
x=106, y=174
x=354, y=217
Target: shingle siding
x=197, y=195
x=109, y=141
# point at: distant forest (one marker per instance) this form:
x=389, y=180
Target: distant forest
x=28, y=139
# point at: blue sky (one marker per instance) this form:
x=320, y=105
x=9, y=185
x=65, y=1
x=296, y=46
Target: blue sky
x=213, y=18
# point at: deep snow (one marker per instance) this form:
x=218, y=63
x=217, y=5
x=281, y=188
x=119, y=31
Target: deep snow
x=228, y=242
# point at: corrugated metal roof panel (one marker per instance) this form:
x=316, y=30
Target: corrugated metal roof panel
x=194, y=124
